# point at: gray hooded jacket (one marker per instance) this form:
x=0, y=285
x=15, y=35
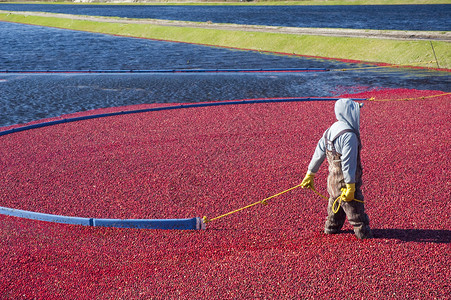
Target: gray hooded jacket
x=348, y=116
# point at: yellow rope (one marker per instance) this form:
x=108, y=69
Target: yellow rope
x=316, y=192
x=263, y=202
x=337, y=201
x=409, y=99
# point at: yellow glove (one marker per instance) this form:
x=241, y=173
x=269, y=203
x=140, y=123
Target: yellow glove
x=347, y=194
x=308, y=181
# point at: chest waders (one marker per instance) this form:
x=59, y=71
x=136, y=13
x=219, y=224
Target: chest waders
x=353, y=210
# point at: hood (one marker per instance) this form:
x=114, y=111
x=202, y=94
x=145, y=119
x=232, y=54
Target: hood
x=348, y=111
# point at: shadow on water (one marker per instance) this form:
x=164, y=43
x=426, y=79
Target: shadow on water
x=414, y=235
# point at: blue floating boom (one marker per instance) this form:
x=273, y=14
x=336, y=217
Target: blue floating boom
x=166, y=71
x=191, y=105
x=174, y=224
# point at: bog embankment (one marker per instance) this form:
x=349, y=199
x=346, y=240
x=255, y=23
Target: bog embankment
x=428, y=49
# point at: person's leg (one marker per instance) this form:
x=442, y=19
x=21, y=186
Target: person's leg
x=334, y=221
x=355, y=211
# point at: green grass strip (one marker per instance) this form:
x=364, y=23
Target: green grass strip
x=398, y=52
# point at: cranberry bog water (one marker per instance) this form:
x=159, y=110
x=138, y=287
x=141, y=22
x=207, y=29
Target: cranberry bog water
x=210, y=160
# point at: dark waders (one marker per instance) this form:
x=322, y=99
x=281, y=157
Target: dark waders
x=353, y=210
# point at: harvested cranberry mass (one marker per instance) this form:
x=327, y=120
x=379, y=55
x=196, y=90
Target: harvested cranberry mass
x=192, y=162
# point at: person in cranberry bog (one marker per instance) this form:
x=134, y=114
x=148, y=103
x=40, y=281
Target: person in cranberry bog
x=341, y=145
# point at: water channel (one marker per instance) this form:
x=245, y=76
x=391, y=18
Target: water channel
x=28, y=97
x=394, y=17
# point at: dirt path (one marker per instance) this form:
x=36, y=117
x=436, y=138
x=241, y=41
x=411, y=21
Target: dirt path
x=361, y=33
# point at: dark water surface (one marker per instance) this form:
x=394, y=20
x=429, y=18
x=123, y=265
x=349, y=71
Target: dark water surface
x=395, y=17
x=28, y=47
x=27, y=97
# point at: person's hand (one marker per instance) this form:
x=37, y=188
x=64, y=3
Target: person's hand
x=347, y=194
x=308, y=181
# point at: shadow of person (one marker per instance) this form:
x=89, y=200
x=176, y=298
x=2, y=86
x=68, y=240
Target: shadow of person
x=414, y=235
